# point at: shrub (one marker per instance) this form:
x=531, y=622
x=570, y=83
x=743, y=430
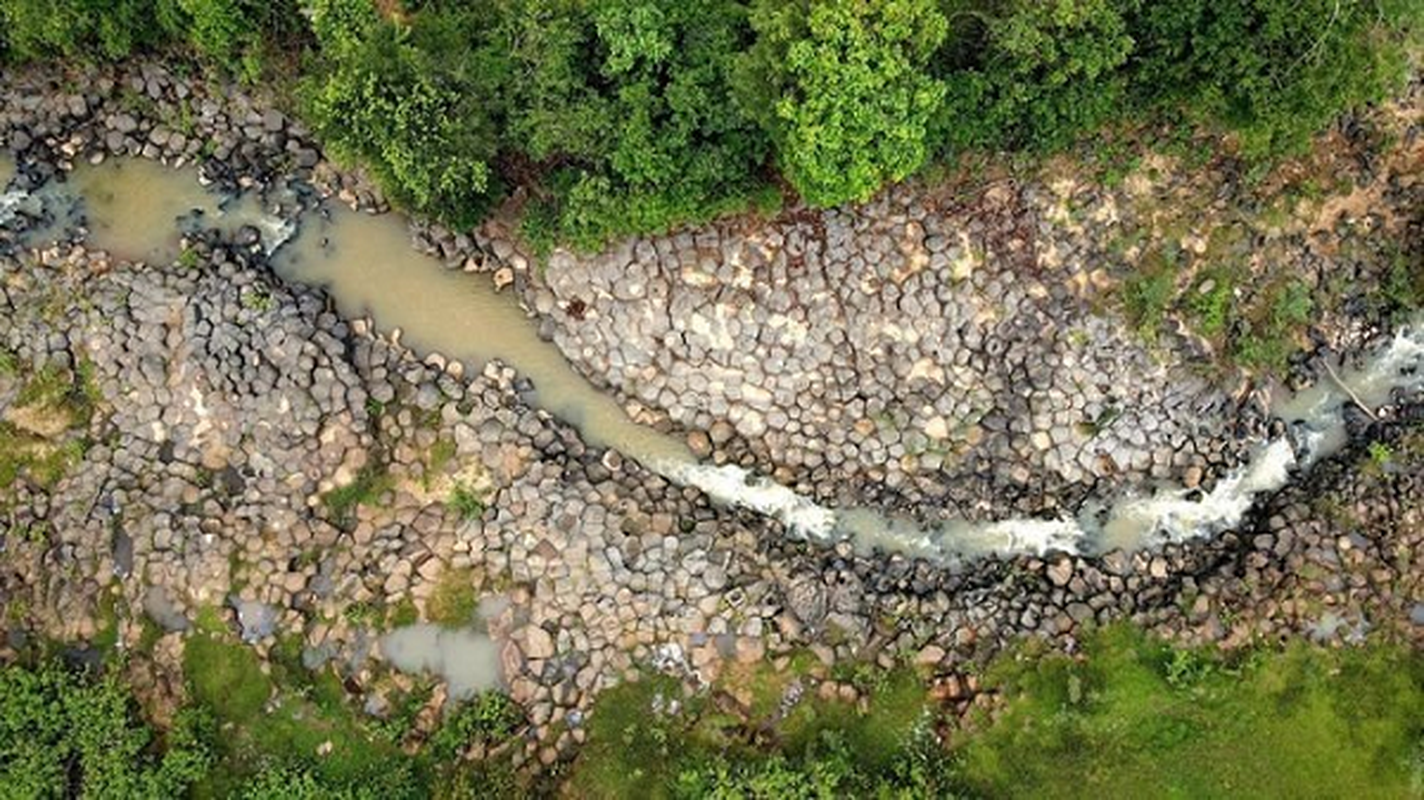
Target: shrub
x=63, y=733
x=845, y=91
x=406, y=111
x=84, y=29
x=1273, y=71
x=1033, y=74
x=489, y=718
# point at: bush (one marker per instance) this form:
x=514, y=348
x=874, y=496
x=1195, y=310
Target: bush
x=66, y=734
x=1273, y=71
x=82, y=29
x=411, y=113
x=490, y=718
x=1033, y=74
x=844, y=91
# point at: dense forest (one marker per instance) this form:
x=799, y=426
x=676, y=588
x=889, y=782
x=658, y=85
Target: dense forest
x=624, y=116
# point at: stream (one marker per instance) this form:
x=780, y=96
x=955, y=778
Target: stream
x=137, y=209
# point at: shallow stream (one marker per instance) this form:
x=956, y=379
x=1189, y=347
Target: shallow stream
x=368, y=264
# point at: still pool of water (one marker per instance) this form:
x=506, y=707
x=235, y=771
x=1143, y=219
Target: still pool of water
x=137, y=209
x=466, y=659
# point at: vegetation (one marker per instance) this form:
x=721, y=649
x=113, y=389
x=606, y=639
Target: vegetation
x=1127, y=716
x=371, y=482
x=627, y=116
x=64, y=734
x=1137, y=718
x=454, y=602
x=45, y=431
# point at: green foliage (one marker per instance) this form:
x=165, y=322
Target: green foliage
x=1148, y=294
x=1136, y=718
x=60, y=404
x=408, y=103
x=648, y=739
x=454, y=602
x=1269, y=334
x=1273, y=71
x=66, y=734
x=82, y=29
x=634, y=100
x=1036, y=74
x=226, y=678
x=489, y=718
x=844, y=91
x=467, y=502
x=624, y=117
x=1380, y=453
x=371, y=482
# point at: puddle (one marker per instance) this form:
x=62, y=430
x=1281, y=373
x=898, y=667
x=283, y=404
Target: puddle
x=466, y=660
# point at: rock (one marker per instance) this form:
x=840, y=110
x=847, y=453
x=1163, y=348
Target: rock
x=700, y=444
x=538, y=644
x=503, y=277
x=930, y=655
x=750, y=650
x=1060, y=572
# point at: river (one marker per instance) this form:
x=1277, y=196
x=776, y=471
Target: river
x=136, y=210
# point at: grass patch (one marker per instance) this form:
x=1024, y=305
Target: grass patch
x=371, y=483
x=1210, y=302
x=648, y=739
x=41, y=441
x=441, y=454
x=292, y=722
x=1274, y=326
x=1148, y=294
x=1138, y=719
x=454, y=602
x=466, y=502
x=635, y=741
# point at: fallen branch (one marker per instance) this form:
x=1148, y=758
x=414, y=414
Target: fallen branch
x=1351, y=392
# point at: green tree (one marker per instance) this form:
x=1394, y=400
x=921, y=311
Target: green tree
x=1273, y=71
x=1027, y=73
x=60, y=732
x=412, y=113
x=845, y=90
x=83, y=29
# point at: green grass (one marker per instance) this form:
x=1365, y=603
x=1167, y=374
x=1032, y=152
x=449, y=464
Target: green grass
x=634, y=746
x=371, y=482
x=284, y=720
x=441, y=454
x=454, y=602
x=1211, y=309
x=1137, y=719
x=68, y=397
x=1274, y=325
x=466, y=502
x=637, y=747
x=1148, y=294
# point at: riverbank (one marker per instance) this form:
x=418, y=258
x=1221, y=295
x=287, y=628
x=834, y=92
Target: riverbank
x=203, y=437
